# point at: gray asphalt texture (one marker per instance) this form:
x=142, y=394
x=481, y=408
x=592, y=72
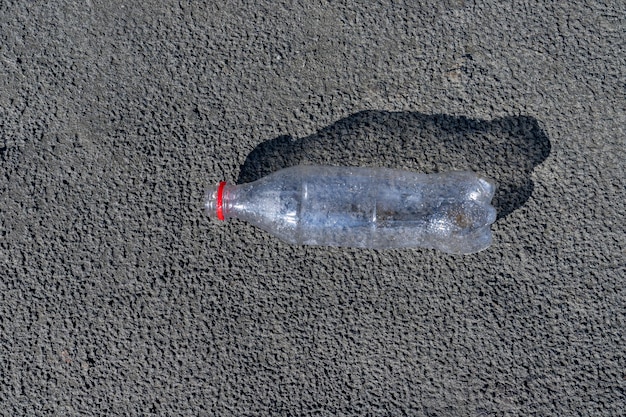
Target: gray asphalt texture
x=118, y=296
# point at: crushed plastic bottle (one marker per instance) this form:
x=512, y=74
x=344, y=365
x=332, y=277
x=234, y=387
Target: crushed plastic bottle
x=364, y=207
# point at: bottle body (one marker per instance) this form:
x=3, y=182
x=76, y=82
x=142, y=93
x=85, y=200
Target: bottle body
x=366, y=207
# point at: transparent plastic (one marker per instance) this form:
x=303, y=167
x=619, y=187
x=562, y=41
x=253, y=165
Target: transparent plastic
x=364, y=207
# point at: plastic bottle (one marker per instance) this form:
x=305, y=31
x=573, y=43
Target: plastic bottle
x=364, y=207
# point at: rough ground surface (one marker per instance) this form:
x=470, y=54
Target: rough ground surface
x=119, y=296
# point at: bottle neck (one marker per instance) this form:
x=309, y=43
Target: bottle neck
x=217, y=201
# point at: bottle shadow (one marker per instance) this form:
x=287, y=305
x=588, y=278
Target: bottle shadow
x=505, y=149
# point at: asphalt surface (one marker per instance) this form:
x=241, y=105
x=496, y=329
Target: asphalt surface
x=118, y=296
